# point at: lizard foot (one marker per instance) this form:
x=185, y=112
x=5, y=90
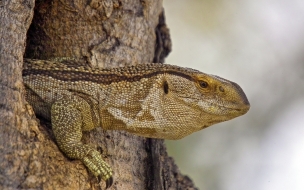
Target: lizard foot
x=99, y=167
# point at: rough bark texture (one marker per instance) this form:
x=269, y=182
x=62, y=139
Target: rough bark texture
x=107, y=33
x=18, y=131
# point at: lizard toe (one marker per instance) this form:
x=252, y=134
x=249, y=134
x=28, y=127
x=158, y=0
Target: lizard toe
x=95, y=163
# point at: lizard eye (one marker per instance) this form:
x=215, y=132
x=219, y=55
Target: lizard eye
x=203, y=84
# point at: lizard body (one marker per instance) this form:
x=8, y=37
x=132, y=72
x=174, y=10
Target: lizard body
x=150, y=100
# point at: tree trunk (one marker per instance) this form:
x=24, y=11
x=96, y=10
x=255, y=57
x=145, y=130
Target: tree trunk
x=107, y=33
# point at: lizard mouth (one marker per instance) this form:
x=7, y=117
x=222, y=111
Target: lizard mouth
x=220, y=109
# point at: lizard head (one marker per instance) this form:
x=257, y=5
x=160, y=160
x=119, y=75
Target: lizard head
x=220, y=96
x=215, y=98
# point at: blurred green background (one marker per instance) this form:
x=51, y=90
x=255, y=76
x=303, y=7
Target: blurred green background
x=260, y=45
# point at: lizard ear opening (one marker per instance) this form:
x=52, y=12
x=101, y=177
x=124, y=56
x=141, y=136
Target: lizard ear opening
x=166, y=87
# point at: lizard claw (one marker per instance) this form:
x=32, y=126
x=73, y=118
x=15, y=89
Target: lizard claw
x=109, y=182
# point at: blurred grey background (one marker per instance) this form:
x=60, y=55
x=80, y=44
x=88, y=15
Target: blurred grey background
x=260, y=45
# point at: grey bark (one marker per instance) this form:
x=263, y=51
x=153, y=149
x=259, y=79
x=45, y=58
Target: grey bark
x=107, y=33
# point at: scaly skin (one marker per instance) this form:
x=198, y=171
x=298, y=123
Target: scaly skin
x=150, y=100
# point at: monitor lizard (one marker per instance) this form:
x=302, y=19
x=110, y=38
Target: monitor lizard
x=151, y=100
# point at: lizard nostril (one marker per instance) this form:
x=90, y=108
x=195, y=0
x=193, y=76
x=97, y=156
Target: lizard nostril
x=221, y=89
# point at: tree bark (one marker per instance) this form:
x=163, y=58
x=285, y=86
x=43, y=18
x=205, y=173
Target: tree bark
x=102, y=33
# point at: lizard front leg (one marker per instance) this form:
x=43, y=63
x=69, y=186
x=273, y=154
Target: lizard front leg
x=70, y=116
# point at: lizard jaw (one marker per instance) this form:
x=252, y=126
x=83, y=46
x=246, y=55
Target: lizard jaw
x=216, y=108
